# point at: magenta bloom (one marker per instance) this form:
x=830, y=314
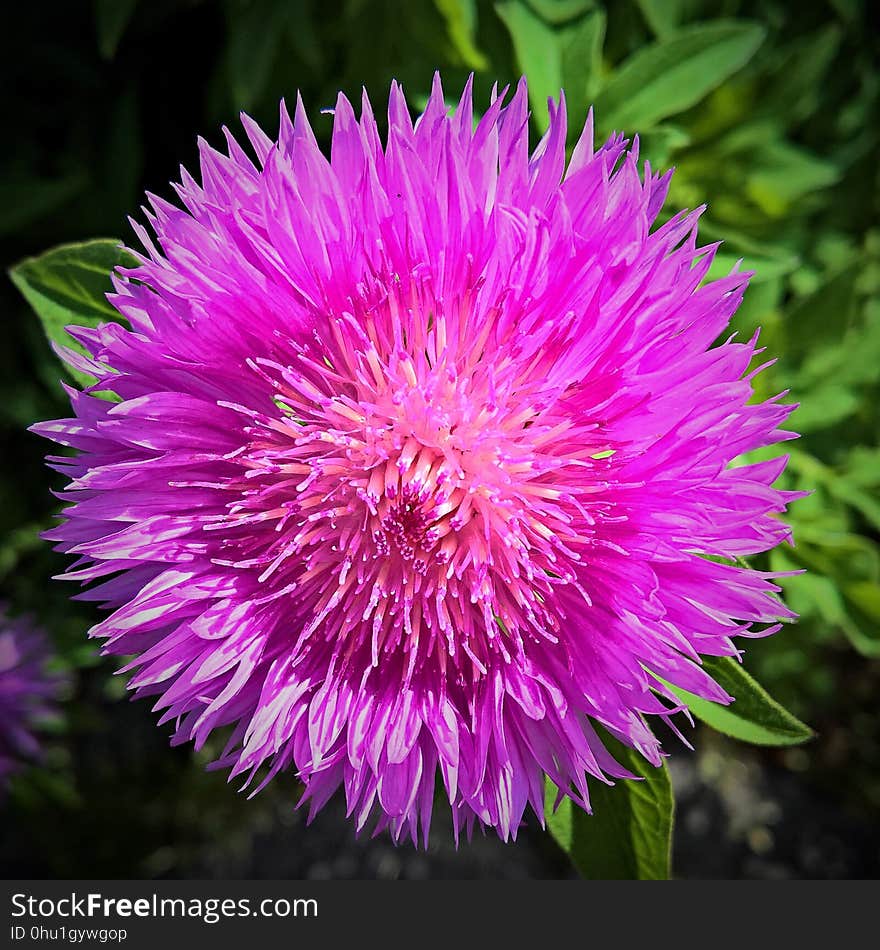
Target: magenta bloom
x=26, y=693
x=419, y=454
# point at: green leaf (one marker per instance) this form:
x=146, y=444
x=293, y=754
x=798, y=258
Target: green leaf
x=566, y=56
x=68, y=284
x=674, y=74
x=629, y=834
x=558, y=12
x=783, y=174
x=111, y=19
x=754, y=716
x=582, y=62
x=461, y=22
x=538, y=54
x=843, y=568
x=827, y=405
x=662, y=16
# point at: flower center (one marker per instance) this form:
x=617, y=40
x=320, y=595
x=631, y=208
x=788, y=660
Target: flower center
x=421, y=497
x=416, y=502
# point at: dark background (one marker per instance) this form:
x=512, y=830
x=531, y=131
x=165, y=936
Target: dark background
x=104, y=100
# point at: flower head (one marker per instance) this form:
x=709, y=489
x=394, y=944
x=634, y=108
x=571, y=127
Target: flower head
x=418, y=455
x=26, y=693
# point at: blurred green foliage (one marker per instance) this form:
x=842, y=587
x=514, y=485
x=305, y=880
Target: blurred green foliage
x=770, y=112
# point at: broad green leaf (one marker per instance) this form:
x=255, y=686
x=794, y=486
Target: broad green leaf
x=565, y=56
x=843, y=568
x=582, y=63
x=808, y=594
x=629, y=834
x=111, y=19
x=558, y=12
x=68, y=284
x=852, y=556
x=744, y=138
x=674, y=74
x=538, y=53
x=785, y=173
x=827, y=405
x=754, y=716
x=662, y=16
x=461, y=22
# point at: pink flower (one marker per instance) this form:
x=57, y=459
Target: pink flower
x=420, y=454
